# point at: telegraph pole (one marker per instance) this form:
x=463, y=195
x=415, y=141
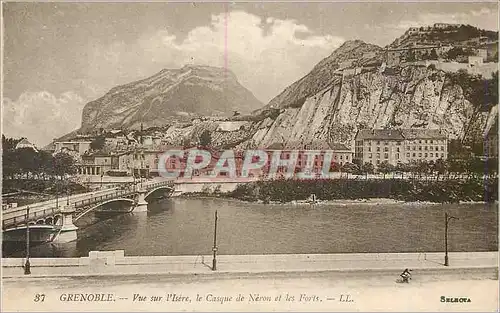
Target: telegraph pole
x=214, y=249
x=27, y=269
x=447, y=220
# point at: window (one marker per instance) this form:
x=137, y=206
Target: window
x=386, y=149
x=431, y=154
x=397, y=149
x=386, y=155
x=426, y=141
x=369, y=149
x=425, y=155
x=397, y=156
x=419, y=148
x=442, y=148
x=370, y=156
x=347, y=157
x=378, y=162
x=378, y=142
x=367, y=142
x=335, y=157
x=425, y=148
x=378, y=155
x=413, y=148
x=442, y=155
x=408, y=155
x=341, y=157
x=414, y=154
x=420, y=155
x=420, y=141
x=432, y=141
x=378, y=149
x=408, y=148
x=386, y=143
x=398, y=143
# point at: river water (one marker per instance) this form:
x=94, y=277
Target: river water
x=185, y=226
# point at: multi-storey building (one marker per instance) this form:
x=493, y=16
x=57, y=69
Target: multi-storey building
x=400, y=146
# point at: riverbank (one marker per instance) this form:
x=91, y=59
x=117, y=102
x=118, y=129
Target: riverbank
x=384, y=191
x=319, y=202
x=105, y=263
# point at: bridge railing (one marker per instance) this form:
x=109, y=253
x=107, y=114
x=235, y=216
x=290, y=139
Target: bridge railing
x=17, y=217
x=33, y=216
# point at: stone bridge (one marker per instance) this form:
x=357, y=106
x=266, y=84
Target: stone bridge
x=61, y=213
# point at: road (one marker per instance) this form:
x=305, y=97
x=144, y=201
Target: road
x=369, y=291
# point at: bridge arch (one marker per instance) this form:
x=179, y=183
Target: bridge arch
x=159, y=188
x=88, y=210
x=49, y=220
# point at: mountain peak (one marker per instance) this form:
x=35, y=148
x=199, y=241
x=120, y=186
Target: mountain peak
x=189, y=91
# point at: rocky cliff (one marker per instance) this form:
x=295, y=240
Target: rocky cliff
x=353, y=89
x=178, y=94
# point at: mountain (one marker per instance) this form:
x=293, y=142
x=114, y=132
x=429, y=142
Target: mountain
x=171, y=94
x=356, y=88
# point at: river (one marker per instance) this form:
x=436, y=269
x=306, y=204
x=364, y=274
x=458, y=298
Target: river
x=185, y=226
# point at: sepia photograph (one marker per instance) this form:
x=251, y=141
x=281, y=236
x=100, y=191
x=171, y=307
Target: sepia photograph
x=334, y=156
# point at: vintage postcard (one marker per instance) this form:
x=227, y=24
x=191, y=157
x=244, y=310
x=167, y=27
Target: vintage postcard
x=249, y=156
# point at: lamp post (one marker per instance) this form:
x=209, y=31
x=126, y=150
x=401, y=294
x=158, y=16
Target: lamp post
x=67, y=193
x=447, y=220
x=57, y=194
x=214, y=249
x=27, y=269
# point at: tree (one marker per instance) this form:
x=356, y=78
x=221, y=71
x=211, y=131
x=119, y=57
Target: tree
x=385, y=168
x=410, y=56
x=206, y=139
x=63, y=164
x=9, y=143
x=440, y=166
x=98, y=143
x=401, y=168
x=433, y=55
x=28, y=160
x=349, y=168
x=367, y=168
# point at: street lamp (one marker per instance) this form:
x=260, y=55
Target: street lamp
x=67, y=193
x=214, y=249
x=27, y=267
x=447, y=220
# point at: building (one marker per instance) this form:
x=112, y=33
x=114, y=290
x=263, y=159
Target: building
x=78, y=147
x=483, y=53
x=96, y=164
x=340, y=156
x=399, y=146
x=24, y=143
x=475, y=60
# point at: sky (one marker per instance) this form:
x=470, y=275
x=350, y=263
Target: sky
x=59, y=56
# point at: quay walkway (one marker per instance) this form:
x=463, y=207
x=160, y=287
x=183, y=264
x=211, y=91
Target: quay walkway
x=104, y=263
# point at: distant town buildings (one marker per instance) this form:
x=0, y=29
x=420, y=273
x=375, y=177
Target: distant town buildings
x=78, y=147
x=399, y=146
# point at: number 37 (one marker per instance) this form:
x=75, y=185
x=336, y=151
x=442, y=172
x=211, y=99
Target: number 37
x=39, y=297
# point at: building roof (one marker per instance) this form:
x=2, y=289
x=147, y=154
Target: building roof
x=399, y=134
x=422, y=134
x=24, y=143
x=391, y=134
